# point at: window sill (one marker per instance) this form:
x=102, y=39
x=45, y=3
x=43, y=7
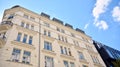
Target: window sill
x=26, y=30
x=67, y=56
x=23, y=44
x=49, y=52
x=19, y=62
x=79, y=48
x=98, y=64
x=92, y=52
x=49, y=38
x=83, y=60
x=64, y=43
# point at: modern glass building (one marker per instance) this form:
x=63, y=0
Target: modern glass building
x=107, y=53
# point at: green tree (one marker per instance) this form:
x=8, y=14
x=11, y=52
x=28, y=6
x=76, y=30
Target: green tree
x=116, y=63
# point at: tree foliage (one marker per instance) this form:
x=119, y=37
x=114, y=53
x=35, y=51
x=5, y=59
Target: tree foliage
x=116, y=63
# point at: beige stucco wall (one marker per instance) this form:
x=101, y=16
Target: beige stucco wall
x=6, y=50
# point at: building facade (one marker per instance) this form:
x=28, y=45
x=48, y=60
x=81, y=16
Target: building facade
x=107, y=53
x=28, y=39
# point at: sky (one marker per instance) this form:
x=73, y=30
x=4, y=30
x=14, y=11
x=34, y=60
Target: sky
x=100, y=19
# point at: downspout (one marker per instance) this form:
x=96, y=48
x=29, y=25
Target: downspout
x=39, y=44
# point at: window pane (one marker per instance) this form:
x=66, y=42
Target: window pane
x=81, y=55
x=26, y=57
x=26, y=16
x=47, y=45
x=27, y=26
x=32, y=18
x=65, y=50
x=19, y=36
x=46, y=24
x=30, y=39
x=49, y=61
x=61, y=49
x=49, y=34
x=32, y=27
x=66, y=64
x=22, y=24
x=10, y=17
x=15, y=55
x=24, y=38
x=69, y=52
x=44, y=32
x=72, y=64
x=62, y=31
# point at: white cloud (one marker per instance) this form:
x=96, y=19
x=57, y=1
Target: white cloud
x=116, y=13
x=100, y=8
x=86, y=26
x=102, y=25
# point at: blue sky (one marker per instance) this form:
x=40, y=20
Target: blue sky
x=100, y=19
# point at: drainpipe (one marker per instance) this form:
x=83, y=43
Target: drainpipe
x=39, y=44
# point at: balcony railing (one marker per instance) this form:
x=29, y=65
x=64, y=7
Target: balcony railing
x=5, y=25
x=7, y=22
x=2, y=37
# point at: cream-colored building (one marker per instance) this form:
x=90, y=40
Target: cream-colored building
x=28, y=39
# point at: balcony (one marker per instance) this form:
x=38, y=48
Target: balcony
x=5, y=25
x=2, y=40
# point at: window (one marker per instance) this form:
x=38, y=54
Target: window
x=22, y=24
x=84, y=66
x=81, y=56
x=62, y=38
x=10, y=17
x=25, y=38
x=58, y=29
x=72, y=64
x=45, y=33
x=46, y=24
x=19, y=36
x=76, y=43
x=61, y=50
x=66, y=64
x=59, y=37
x=65, y=50
x=47, y=45
x=49, y=34
x=72, y=35
x=89, y=48
x=15, y=55
x=62, y=31
x=95, y=59
x=27, y=26
x=30, y=39
x=32, y=27
x=32, y=18
x=49, y=62
x=26, y=16
x=26, y=57
x=69, y=52
x=66, y=40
